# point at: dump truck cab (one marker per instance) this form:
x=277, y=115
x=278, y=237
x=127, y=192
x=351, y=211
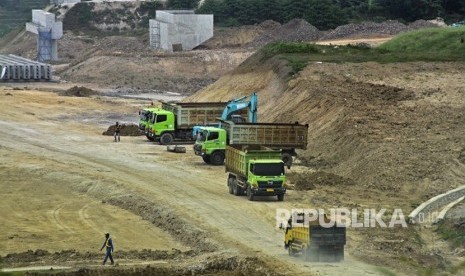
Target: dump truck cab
x=162, y=125
x=266, y=178
x=144, y=120
x=210, y=144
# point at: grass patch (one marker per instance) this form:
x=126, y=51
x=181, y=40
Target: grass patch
x=277, y=48
x=452, y=231
x=436, y=40
x=436, y=45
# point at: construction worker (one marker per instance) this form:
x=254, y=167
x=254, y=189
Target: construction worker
x=117, y=130
x=108, y=245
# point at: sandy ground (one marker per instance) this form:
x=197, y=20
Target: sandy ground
x=64, y=185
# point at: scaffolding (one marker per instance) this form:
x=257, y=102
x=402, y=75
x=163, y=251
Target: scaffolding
x=44, y=45
x=154, y=34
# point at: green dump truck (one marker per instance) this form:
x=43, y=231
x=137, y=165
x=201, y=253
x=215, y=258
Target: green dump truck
x=211, y=142
x=144, y=120
x=175, y=121
x=255, y=171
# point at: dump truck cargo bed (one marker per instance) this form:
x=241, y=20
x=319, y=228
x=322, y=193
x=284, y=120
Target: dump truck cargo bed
x=274, y=135
x=238, y=156
x=189, y=115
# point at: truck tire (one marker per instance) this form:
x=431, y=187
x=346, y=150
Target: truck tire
x=287, y=159
x=236, y=189
x=250, y=195
x=217, y=158
x=230, y=185
x=290, y=251
x=149, y=138
x=206, y=159
x=280, y=197
x=166, y=139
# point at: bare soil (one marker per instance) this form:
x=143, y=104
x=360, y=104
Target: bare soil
x=381, y=136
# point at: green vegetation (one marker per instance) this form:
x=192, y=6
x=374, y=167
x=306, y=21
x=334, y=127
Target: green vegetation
x=326, y=14
x=79, y=17
x=424, y=45
x=453, y=231
x=288, y=48
x=14, y=13
x=458, y=269
x=447, y=41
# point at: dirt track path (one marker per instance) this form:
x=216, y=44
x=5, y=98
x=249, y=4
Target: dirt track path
x=88, y=163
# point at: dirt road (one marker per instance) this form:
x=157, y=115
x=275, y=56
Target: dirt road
x=64, y=185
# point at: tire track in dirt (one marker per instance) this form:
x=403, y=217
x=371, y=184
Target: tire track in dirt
x=54, y=217
x=84, y=216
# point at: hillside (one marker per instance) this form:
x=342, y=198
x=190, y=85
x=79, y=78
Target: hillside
x=15, y=13
x=394, y=130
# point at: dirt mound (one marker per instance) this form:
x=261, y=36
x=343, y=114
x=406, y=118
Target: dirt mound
x=126, y=130
x=420, y=24
x=309, y=181
x=79, y=91
x=296, y=30
x=239, y=36
x=366, y=29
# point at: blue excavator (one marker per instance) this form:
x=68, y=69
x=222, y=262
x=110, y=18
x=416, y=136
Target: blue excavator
x=240, y=110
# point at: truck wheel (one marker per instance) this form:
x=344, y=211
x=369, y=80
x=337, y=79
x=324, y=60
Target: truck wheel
x=230, y=185
x=166, y=139
x=290, y=251
x=149, y=138
x=236, y=189
x=217, y=158
x=250, y=195
x=287, y=159
x=206, y=159
x=280, y=197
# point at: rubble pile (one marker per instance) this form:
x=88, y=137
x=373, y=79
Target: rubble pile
x=296, y=30
x=390, y=27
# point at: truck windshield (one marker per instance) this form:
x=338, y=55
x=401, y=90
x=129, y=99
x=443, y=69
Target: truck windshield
x=202, y=135
x=144, y=115
x=268, y=169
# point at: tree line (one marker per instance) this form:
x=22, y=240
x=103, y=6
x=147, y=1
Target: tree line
x=324, y=14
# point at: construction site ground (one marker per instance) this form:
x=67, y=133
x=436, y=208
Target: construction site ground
x=380, y=136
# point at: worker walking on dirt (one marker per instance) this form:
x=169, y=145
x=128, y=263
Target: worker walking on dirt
x=117, y=130
x=108, y=245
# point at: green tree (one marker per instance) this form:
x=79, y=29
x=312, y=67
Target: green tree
x=182, y=4
x=323, y=14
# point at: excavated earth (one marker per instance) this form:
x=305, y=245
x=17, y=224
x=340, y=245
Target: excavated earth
x=381, y=136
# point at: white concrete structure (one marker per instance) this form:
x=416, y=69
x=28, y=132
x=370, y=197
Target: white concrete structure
x=59, y=2
x=15, y=68
x=180, y=30
x=48, y=32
